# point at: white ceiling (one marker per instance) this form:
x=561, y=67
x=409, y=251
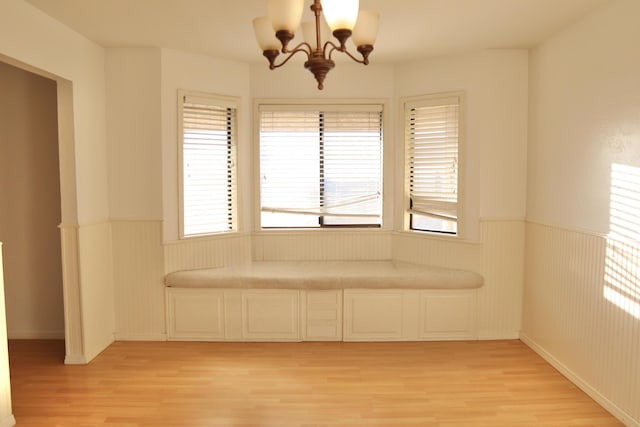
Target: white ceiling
x=409, y=29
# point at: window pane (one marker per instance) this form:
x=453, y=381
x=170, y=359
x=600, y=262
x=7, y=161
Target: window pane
x=320, y=168
x=432, y=164
x=353, y=169
x=208, y=166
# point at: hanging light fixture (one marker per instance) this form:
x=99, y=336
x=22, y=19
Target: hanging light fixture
x=274, y=32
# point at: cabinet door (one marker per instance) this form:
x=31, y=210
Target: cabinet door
x=271, y=315
x=448, y=315
x=195, y=314
x=373, y=315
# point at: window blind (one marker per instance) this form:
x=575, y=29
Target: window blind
x=431, y=129
x=320, y=167
x=208, y=165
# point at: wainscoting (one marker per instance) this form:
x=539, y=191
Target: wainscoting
x=580, y=312
x=138, y=276
x=322, y=245
x=97, y=291
x=88, y=291
x=212, y=252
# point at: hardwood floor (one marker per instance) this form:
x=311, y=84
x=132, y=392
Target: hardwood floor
x=444, y=384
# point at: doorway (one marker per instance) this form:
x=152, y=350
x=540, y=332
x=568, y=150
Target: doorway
x=30, y=205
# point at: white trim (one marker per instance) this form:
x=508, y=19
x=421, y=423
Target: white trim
x=316, y=106
x=320, y=101
x=75, y=360
x=10, y=421
x=208, y=237
x=436, y=236
x=311, y=231
x=495, y=337
x=580, y=383
x=141, y=337
x=568, y=228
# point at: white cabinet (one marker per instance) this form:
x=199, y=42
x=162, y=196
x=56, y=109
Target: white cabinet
x=208, y=314
x=408, y=315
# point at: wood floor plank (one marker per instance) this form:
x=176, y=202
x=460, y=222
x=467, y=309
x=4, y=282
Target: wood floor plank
x=443, y=384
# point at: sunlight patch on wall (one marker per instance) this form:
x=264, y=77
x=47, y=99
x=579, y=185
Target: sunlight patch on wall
x=622, y=270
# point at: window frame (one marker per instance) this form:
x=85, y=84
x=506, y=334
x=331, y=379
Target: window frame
x=222, y=101
x=386, y=222
x=417, y=101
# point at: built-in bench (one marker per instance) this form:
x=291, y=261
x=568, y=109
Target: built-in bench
x=322, y=300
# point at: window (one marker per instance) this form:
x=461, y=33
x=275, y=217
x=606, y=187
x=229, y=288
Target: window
x=320, y=166
x=208, y=164
x=432, y=128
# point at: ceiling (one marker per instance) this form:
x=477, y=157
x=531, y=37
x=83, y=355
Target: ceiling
x=409, y=29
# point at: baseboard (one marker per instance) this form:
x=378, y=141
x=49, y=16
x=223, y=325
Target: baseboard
x=616, y=411
x=496, y=337
x=9, y=421
x=75, y=360
x=141, y=337
x=35, y=335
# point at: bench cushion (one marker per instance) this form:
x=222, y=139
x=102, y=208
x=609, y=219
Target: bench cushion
x=326, y=275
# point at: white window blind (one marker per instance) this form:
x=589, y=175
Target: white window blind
x=431, y=133
x=320, y=167
x=208, y=165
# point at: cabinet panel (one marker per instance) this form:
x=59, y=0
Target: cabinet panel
x=373, y=315
x=448, y=315
x=195, y=314
x=270, y=315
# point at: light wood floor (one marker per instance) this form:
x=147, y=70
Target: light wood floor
x=500, y=383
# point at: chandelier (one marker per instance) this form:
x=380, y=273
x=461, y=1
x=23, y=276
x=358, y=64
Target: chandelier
x=274, y=32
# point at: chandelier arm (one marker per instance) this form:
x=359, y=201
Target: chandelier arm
x=290, y=53
x=364, y=51
x=332, y=47
x=299, y=48
x=364, y=61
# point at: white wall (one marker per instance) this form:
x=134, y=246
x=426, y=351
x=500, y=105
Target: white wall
x=134, y=133
x=585, y=117
x=581, y=301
